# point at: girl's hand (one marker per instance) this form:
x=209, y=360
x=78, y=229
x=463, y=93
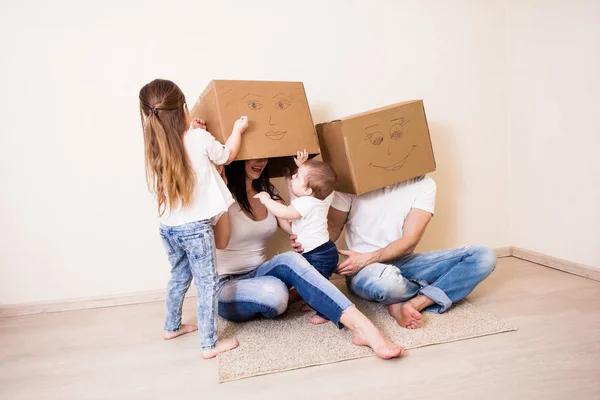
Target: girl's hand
x=241, y=125
x=263, y=197
x=198, y=123
x=301, y=158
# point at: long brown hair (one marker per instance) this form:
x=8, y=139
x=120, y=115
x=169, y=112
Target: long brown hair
x=169, y=173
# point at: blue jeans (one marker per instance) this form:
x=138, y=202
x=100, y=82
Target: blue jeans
x=444, y=276
x=191, y=251
x=264, y=291
x=324, y=258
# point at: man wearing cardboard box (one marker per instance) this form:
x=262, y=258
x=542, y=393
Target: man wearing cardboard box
x=385, y=220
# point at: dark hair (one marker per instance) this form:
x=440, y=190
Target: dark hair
x=236, y=182
x=320, y=177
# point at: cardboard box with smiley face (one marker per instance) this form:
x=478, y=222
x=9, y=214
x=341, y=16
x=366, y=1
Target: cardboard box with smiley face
x=378, y=148
x=279, y=118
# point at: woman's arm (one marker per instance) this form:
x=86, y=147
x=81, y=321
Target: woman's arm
x=222, y=232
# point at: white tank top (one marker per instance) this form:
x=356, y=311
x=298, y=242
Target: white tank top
x=247, y=244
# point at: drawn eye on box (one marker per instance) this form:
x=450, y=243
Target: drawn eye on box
x=388, y=152
x=267, y=110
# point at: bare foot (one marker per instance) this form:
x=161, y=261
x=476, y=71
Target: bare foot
x=183, y=329
x=223, y=345
x=406, y=315
x=369, y=335
x=317, y=320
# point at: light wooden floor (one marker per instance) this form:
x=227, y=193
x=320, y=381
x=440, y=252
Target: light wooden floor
x=117, y=353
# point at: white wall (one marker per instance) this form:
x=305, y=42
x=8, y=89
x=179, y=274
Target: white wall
x=554, y=64
x=77, y=219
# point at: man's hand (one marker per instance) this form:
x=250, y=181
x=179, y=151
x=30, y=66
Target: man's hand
x=263, y=197
x=198, y=123
x=296, y=245
x=301, y=158
x=355, y=262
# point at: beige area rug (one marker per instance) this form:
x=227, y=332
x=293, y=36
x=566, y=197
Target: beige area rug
x=291, y=342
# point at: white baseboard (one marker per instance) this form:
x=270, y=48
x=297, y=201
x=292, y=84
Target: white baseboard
x=15, y=310
x=503, y=251
x=557, y=263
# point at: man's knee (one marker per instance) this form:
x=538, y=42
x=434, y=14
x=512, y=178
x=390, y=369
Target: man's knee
x=485, y=260
x=388, y=286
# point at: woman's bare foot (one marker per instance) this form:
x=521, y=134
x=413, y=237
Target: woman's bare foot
x=364, y=333
x=317, y=320
x=406, y=315
x=183, y=329
x=223, y=345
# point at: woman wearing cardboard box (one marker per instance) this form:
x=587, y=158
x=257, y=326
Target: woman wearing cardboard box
x=250, y=286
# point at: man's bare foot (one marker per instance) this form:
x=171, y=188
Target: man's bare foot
x=317, y=320
x=183, y=329
x=223, y=345
x=406, y=315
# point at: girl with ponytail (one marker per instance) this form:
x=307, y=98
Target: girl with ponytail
x=191, y=196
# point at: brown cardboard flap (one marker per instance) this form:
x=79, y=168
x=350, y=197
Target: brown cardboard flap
x=332, y=143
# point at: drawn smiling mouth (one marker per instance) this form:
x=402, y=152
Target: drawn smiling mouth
x=275, y=135
x=396, y=166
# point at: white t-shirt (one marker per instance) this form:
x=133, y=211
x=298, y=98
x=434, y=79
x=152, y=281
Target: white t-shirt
x=247, y=244
x=311, y=229
x=211, y=196
x=376, y=218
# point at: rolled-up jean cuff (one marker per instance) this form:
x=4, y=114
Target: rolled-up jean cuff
x=344, y=308
x=205, y=348
x=438, y=296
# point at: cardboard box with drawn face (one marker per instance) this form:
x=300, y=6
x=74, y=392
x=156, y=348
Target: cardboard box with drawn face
x=279, y=118
x=379, y=147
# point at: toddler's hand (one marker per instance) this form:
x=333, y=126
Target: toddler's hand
x=301, y=158
x=198, y=123
x=262, y=196
x=241, y=124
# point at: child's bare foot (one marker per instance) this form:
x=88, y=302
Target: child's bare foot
x=223, y=345
x=317, y=320
x=183, y=329
x=406, y=315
